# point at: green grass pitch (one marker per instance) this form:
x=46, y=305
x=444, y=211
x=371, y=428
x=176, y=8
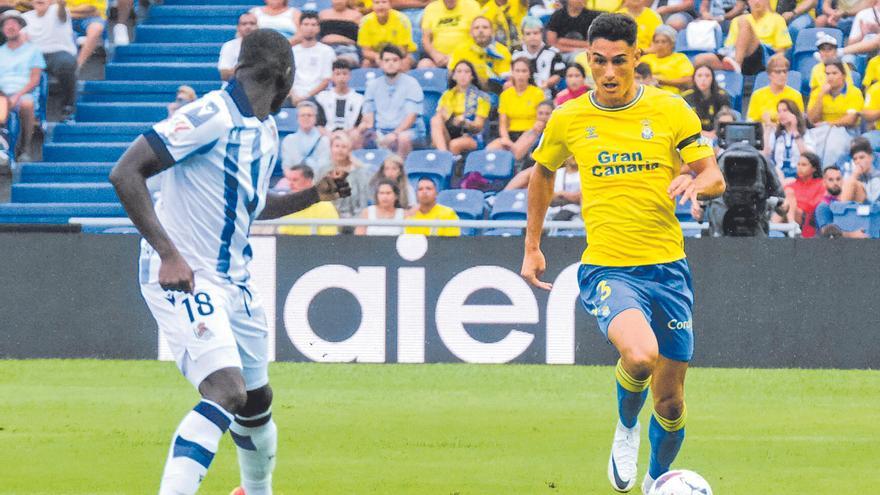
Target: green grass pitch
x=83, y=427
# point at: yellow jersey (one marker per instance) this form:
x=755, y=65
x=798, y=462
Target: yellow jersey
x=520, y=109
x=455, y=103
x=770, y=28
x=817, y=75
x=764, y=100
x=506, y=20
x=627, y=157
x=872, y=101
x=449, y=28
x=834, y=107
x=492, y=62
x=872, y=72
x=604, y=5
x=675, y=66
x=75, y=6
x=438, y=212
x=320, y=210
x=648, y=21
x=397, y=31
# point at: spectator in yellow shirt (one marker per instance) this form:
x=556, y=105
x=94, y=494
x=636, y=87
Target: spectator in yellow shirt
x=518, y=127
x=462, y=111
x=871, y=111
x=672, y=70
x=490, y=58
x=445, y=25
x=835, y=103
x=300, y=178
x=385, y=26
x=872, y=73
x=506, y=16
x=827, y=47
x=428, y=209
x=646, y=19
x=764, y=101
x=749, y=33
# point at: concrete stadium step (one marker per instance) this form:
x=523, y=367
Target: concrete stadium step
x=184, y=33
x=139, y=91
x=168, y=53
x=82, y=132
x=79, y=192
x=41, y=172
x=83, y=152
x=196, y=14
x=120, y=112
x=57, y=212
x=211, y=3
x=163, y=71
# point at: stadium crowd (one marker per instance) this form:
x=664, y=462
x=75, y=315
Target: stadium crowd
x=509, y=63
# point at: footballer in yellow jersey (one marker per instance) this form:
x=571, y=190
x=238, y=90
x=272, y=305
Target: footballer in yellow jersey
x=628, y=141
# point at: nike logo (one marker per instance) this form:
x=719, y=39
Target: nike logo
x=170, y=298
x=617, y=481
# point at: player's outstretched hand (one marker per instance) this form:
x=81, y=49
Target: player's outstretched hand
x=533, y=267
x=175, y=274
x=334, y=186
x=683, y=186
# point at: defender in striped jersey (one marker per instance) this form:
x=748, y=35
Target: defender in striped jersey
x=217, y=155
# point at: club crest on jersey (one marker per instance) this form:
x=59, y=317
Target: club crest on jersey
x=202, y=331
x=591, y=132
x=647, y=132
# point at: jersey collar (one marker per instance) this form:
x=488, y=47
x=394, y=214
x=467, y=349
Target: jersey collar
x=236, y=92
x=635, y=100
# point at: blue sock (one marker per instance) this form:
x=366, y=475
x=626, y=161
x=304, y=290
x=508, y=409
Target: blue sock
x=631, y=394
x=666, y=438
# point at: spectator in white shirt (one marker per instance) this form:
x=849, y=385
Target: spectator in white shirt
x=49, y=27
x=313, y=60
x=247, y=24
x=341, y=104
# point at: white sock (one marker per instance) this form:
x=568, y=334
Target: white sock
x=193, y=448
x=257, y=444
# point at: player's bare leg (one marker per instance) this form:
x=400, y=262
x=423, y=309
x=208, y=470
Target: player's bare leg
x=198, y=436
x=256, y=439
x=631, y=334
x=670, y=415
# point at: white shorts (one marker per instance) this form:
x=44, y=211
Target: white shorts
x=221, y=325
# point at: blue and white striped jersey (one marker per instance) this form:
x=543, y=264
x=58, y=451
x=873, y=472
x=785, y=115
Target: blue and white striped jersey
x=223, y=158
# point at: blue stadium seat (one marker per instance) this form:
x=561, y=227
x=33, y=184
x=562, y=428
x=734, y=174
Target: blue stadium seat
x=874, y=138
x=434, y=164
x=248, y=3
x=163, y=72
x=81, y=132
x=167, y=53
x=372, y=158
x=286, y=120
x=683, y=212
x=360, y=77
x=681, y=44
x=139, y=91
x=851, y=216
x=467, y=203
x=509, y=205
x=805, y=44
x=311, y=5
x=121, y=112
x=732, y=82
x=83, y=152
x=434, y=80
x=184, y=34
x=429, y=107
x=57, y=213
x=503, y=232
x=41, y=172
x=794, y=80
x=567, y=233
x=192, y=14
x=492, y=164
x=80, y=192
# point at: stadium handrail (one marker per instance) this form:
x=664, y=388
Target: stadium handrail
x=791, y=229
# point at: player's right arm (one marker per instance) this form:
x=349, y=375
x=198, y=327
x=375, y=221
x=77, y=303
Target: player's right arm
x=129, y=177
x=552, y=151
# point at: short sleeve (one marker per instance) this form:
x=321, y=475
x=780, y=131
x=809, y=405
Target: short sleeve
x=405, y=34
x=369, y=105
x=872, y=99
x=364, y=33
x=814, y=97
x=483, y=107
x=733, y=33
x=754, y=111
x=428, y=18
x=227, y=57
x=855, y=103
x=37, y=61
x=782, y=39
x=555, y=19
x=445, y=102
x=552, y=149
x=193, y=129
x=414, y=98
x=504, y=102
x=689, y=140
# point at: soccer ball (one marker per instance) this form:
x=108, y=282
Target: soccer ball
x=680, y=482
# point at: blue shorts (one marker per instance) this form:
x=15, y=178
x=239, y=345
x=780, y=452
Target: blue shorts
x=663, y=293
x=80, y=26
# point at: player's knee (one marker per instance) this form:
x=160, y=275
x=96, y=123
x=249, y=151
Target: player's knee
x=640, y=362
x=258, y=401
x=669, y=407
x=232, y=399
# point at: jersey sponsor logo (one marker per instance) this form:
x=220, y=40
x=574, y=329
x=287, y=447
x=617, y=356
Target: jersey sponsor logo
x=202, y=332
x=678, y=325
x=170, y=298
x=591, y=132
x=449, y=21
x=621, y=163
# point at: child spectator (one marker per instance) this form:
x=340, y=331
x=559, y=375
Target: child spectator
x=805, y=193
x=342, y=105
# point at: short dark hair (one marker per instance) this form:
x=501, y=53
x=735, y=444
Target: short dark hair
x=306, y=170
x=830, y=167
x=613, y=27
x=644, y=70
x=341, y=63
x=309, y=14
x=426, y=178
x=393, y=49
x=860, y=144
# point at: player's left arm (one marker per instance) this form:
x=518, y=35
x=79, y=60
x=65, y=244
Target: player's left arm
x=331, y=187
x=708, y=182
